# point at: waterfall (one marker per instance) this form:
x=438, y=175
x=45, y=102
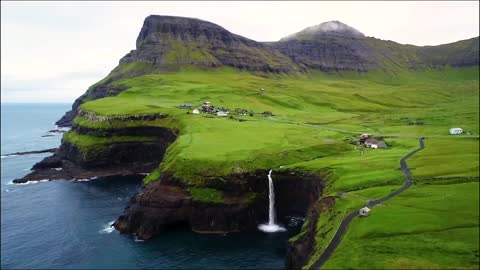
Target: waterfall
x=271, y=226
x=271, y=198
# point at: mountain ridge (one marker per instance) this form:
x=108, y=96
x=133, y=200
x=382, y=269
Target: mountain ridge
x=166, y=43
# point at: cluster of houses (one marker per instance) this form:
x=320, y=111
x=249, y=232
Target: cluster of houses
x=207, y=107
x=241, y=111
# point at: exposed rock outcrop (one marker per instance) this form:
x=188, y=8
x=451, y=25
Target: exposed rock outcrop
x=167, y=202
x=170, y=41
x=116, y=158
x=100, y=118
x=329, y=53
x=300, y=249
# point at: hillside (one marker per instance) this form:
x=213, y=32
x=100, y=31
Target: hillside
x=166, y=43
x=298, y=107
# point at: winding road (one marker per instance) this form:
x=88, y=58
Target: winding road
x=346, y=221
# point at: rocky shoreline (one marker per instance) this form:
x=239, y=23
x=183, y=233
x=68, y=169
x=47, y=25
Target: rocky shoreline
x=168, y=202
x=115, y=159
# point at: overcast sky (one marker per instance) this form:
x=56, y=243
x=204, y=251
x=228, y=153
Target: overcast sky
x=53, y=51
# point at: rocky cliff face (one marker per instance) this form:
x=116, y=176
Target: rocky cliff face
x=334, y=46
x=244, y=205
x=329, y=53
x=330, y=46
x=116, y=158
x=171, y=41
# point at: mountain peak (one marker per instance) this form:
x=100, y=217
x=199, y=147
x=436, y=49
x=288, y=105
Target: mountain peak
x=175, y=26
x=331, y=28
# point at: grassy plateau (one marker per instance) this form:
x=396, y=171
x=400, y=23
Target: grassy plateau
x=434, y=224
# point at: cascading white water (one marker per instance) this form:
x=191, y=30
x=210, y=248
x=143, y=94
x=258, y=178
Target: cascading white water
x=271, y=226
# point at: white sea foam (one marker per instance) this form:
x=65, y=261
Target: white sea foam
x=32, y=182
x=8, y=156
x=107, y=228
x=86, y=179
x=57, y=169
x=136, y=239
x=270, y=228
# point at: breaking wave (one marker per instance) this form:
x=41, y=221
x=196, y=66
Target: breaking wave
x=107, y=228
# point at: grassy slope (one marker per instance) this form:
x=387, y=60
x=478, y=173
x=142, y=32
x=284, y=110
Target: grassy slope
x=434, y=224
x=315, y=115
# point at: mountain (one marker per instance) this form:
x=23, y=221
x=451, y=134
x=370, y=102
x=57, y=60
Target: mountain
x=166, y=43
x=171, y=41
x=329, y=46
x=334, y=46
x=332, y=28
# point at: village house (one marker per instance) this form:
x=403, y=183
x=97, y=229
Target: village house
x=456, y=131
x=186, y=106
x=373, y=143
x=208, y=107
x=363, y=138
x=241, y=111
x=364, y=212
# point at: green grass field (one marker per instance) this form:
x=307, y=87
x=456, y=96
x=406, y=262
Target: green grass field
x=432, y=225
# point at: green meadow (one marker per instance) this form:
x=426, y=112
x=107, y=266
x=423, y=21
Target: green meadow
x=434, y=224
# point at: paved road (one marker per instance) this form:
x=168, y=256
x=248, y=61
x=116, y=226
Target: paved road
x=346, y=221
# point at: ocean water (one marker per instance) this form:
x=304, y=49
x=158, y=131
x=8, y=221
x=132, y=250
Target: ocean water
x=65, y=224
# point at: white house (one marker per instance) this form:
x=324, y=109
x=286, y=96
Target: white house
x=456, y=131
x=365, y=211
x=222, y=113
x=196, y=111
x=372, y=143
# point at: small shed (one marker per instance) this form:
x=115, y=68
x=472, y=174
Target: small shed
x=364, y=212
x=222, y=113
x=372, y=143
x=456, y=131
x=196, y=111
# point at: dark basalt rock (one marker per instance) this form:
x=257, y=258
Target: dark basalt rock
x=167, y=202
x=121, y=158
x=160, y=35
x=300, y=251
x=331, y=53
